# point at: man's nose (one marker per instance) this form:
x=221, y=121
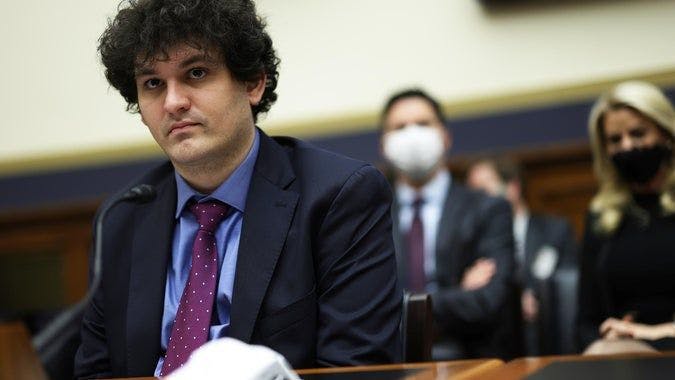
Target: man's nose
x=177, y=99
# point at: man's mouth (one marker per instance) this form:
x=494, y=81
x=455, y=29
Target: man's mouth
x=181, y=126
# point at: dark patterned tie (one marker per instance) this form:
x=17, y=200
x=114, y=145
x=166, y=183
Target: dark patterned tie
x=417, y=278
x=193, y=317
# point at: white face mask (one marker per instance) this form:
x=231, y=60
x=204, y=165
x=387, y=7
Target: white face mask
x=414, y=149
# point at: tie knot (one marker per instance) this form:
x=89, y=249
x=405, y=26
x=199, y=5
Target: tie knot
x=417, y=203
x=209, y=214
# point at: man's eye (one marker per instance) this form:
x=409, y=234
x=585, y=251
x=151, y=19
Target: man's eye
x=197, y=73
x=152, y=83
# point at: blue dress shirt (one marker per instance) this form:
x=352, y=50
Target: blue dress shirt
x=232, y=192
x=434, y=194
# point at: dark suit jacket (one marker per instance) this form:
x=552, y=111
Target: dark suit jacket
x=483, y=322
x=552, y=333
x=315, y=277
x=547, y=230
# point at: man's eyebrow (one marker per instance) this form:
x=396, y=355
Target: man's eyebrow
x=197, y=58
x=144, y=70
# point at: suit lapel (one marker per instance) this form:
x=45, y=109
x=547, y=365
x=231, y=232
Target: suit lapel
x=270, y=207
x=152, y=228
x=532, y=237
x=399, y=245
x=447, y=230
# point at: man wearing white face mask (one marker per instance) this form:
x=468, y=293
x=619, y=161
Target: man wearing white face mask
x=451, y=242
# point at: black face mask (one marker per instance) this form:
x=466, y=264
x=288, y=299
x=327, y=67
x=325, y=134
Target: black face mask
x=640, y=165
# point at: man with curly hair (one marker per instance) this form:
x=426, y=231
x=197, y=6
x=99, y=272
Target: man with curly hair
x=295, y=252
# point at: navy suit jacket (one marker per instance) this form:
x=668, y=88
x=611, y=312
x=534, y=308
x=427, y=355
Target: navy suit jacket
x=482, y=322
x=551, y=231
x=315, y=277
x=552, y=332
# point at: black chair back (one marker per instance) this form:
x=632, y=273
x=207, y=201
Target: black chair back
x=417, y=327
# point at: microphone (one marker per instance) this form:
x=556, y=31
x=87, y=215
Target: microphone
x=44, y=341
x=142, y=194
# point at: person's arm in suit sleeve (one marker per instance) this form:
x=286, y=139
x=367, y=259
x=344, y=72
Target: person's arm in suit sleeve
x=590, y=297
x=92, y=358
x=460, y=310
x=358, y=294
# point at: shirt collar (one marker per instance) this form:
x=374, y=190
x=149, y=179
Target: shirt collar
x=232, y=192
x=520, y=225
x=433, y=191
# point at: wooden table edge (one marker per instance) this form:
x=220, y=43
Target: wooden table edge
x=481, y=364
x=480, y=370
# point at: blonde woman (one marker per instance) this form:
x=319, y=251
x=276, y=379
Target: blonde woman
x=627, y=284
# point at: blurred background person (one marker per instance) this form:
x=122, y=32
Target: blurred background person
x=544, y=245
x=627, y=261
x=451, y=242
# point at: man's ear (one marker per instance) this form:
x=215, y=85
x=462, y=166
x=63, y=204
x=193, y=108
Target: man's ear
x=255, y=89
x=447, y=138
x=513, y=191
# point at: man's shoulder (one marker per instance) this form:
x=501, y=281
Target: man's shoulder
x=312, y=162
x=319, y=172
x=300, y=151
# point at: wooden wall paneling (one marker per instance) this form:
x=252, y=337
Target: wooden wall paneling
x=18, y=360
x=564, y=190
x=65, y=233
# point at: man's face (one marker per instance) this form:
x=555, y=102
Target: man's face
x=414, y=140
x=195, y=110
x=483, y=176
x=413, y=110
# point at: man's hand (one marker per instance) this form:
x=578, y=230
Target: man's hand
x=529, y=305
x=479, y=274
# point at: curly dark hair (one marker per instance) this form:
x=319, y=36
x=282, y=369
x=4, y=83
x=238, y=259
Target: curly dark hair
x=147, y=29
x=411, y=93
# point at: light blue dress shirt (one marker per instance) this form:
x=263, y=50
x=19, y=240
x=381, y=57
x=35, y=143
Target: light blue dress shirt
x=232, y=192
x=434, y=194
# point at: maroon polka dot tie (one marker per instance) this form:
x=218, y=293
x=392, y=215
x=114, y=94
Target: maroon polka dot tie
x=193, y=317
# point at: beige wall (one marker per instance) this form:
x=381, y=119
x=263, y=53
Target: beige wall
x=339, y=59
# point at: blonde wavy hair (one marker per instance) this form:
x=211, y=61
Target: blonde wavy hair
x=614, y=196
